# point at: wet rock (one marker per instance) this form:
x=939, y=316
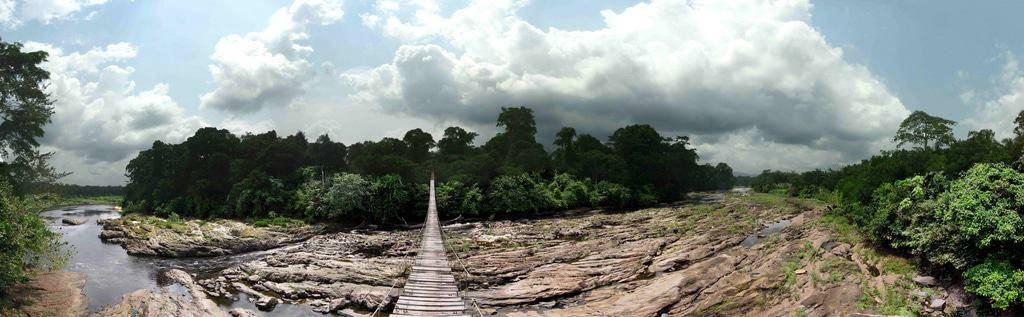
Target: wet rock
x=73, y=221
x=169, y=301
x=925, y=280
x=157, y=237
x=267, y=303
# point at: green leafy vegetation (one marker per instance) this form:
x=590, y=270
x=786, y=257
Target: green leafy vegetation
x=215, y=174
x=26, y=244
x=956, y=204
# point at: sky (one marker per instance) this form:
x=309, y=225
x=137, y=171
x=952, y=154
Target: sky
x=781, y=84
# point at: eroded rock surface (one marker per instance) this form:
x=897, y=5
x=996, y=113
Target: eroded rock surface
x=700, y=258
x=50, y=294
x=183, y=298
x=156, y=237
x=329, y=272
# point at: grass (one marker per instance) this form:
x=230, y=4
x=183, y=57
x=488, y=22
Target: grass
x=278, y=222
x=41, y=202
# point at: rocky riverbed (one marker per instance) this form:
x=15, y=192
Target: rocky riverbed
x=700, y=258
x=151, y=236
x=734, y=254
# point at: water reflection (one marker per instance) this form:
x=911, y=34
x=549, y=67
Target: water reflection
x=110, y=272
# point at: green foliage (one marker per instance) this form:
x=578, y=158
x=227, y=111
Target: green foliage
x=217, y=174
x=980, y=214
x=996, y=280
x=388, y=197
x=25, y=109
x=611, y=195
x=27, y=243
x=565, y=191
x=517, y=194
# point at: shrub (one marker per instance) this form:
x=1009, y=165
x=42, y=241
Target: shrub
x=341, y=195
x=27, y=243
x=565, y=191
x=996, y=280
x=902, y=208
x=980, y=214
x=472, y=201
x=256, y=196
x=520, y=193
x=388, y=197
x=611, y=195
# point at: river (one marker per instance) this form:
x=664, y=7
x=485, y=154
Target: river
x=111, y=272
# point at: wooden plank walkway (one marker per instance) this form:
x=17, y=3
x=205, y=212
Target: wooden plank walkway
x=430, y=289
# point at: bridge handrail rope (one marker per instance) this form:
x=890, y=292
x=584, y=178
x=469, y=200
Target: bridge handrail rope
x=393, y=285
x=463, y=265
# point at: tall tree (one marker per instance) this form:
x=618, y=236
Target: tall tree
x=24, y=108
x=419, y=144
x=565, y=155
x=923, y=129
x=456, y=141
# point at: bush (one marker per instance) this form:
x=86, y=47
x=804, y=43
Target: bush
x=980, y=214
x=256, y=196
x=519, y=194
x=388, y=198
x=565, y=191
x=902, y=208
x=996, y=280
x=611, y=195
x=344, y=195
x=26, y=244
x=472, y=201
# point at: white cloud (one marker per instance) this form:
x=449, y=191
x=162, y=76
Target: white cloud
x=999, y=112
x=268, y=68
x=100, y=121
x=713, y=69
x=13, y=13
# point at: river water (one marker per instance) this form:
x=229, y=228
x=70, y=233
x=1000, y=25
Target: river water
x=110, y=272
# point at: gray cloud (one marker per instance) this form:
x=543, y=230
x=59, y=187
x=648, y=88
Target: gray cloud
x=715, y=70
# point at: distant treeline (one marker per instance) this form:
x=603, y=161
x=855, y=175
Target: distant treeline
x=217, y=174
x=72, y=190
x=956, y=204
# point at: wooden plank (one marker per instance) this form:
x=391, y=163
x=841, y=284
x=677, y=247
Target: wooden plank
x=430, y=289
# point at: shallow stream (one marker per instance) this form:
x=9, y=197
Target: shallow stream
x=111, y=272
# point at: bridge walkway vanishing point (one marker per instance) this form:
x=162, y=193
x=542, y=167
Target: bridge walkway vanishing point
x=430, y=289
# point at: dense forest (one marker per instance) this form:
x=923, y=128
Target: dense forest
x=957, y=205
x=217, y=174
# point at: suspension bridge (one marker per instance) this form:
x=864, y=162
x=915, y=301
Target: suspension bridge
x=430, y=289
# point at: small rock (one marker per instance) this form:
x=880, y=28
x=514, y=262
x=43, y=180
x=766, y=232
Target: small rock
x=800, y=271
x=920, y=294
x=925, y=280
x=937, y=304
x=73, y=221
x=241, y=312
x=547, y=305
x=267, y=303
x=338, y=304
x=253, y=278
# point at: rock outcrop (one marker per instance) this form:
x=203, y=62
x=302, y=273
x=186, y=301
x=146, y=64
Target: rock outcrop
x=183, y=298
x=156, y=237
x=50, y=294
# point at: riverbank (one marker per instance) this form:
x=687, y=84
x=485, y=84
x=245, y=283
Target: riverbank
x=42, y=202
x=153, y=236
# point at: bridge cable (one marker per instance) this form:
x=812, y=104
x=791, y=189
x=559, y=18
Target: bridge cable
x=463, y=265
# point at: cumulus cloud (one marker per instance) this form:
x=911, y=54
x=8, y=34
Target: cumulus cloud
x=13, y=13
x=100, y=119
x=999, y=112
x=716, y=70
x=268, y=67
